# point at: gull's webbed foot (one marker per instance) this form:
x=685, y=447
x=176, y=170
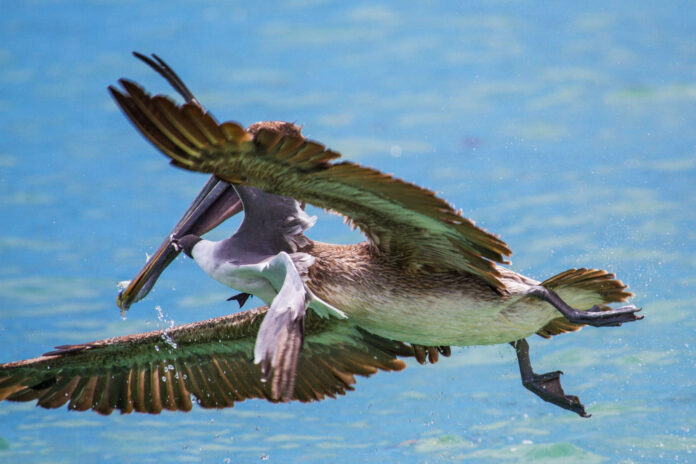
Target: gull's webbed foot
x=240, y=298
x=545, y=386
x=595, y=316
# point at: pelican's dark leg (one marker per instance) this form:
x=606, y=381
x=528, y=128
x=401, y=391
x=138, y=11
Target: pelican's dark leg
x=545, y=386
x=595, y=316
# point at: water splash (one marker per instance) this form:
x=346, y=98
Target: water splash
x=169, y=325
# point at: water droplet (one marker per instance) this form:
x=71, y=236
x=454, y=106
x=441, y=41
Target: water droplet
x=160, y=314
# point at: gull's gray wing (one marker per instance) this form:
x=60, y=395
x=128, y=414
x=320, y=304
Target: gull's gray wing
x=281, y=334
x=211, y=360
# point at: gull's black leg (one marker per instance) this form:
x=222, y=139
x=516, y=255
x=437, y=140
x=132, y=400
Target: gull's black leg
x=595, y=316
x=240, y=298
x=545, y=386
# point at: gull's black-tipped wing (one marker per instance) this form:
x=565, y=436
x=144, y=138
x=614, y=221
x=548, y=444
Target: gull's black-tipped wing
x=408, y=223
x=211, y=361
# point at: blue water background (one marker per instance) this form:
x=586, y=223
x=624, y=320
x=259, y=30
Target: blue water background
x=567, y=128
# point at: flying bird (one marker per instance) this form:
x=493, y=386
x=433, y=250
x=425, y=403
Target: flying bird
x=425, y=279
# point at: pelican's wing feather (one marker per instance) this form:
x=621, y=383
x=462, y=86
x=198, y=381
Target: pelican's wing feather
x=408, y=223
x=211, y=360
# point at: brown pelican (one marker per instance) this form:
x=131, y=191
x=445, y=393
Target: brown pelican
x=425, y=279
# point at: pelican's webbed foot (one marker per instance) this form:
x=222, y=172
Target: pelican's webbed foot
x=595, y=316
x=430, y=353
x=545, y=386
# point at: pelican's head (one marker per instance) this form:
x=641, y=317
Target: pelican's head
x=215, y=203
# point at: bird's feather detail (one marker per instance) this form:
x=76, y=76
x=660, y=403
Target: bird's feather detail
x=210, y=360
x=408, y=223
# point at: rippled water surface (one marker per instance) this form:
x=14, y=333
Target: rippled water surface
x=568, y=130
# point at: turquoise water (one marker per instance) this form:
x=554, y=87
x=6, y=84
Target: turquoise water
x=568, y=130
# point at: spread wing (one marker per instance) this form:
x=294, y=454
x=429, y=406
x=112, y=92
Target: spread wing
x=211, y=360
x=408, y=223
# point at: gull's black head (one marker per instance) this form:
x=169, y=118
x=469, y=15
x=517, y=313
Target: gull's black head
x=186, y=243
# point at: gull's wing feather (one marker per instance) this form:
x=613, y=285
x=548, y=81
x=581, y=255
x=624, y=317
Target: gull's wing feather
x=408, y=223
x=211, y=360
x=281, y=334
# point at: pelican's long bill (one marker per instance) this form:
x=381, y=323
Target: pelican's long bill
x=216, y=202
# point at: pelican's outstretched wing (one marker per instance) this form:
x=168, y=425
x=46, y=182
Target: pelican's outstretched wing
x=402, y=220
x=211, y=360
